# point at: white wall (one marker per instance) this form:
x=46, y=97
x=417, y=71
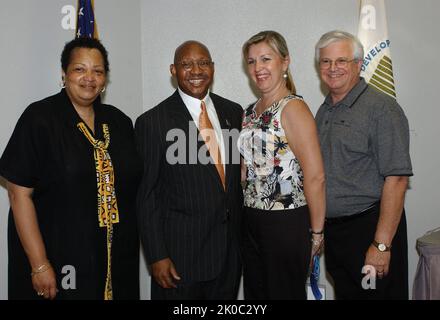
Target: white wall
x=224, y=26
x=141, y=37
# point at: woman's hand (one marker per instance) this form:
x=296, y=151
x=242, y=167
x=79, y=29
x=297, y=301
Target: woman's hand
x=28, y=229
x=317, y=247
x=44, y=281
x=317, y=244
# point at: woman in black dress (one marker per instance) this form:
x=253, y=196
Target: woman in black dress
x=72, y=173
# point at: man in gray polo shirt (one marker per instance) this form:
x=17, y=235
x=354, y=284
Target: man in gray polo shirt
x=365, y=144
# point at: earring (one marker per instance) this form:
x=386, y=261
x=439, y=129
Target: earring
x=62, y=84
x=285, y=75
x=103, y=89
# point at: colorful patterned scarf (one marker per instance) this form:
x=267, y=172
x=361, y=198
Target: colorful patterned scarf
x=107, y=205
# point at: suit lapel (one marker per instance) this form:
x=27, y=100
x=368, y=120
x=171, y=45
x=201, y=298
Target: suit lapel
x=180, y=113
x=184, y=121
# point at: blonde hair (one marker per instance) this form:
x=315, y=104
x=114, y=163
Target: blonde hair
x=277, y=42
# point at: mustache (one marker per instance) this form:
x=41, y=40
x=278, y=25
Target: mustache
x=198, y=77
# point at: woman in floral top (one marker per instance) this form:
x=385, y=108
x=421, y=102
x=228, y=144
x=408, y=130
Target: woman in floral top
x=285, y=189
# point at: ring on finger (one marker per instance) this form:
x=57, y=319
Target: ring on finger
x=40, y=293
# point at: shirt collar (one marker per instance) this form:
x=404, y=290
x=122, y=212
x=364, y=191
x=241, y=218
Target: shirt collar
x=351, y=96
x=193, y=103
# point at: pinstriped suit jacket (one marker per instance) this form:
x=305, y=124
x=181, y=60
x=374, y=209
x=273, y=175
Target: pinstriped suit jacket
x=183, y=212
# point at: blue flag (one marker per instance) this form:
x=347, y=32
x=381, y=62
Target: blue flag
x=85, y=22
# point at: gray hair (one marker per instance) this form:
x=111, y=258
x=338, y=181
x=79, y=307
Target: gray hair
x=337, y=35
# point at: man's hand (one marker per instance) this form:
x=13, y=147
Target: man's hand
x=379, y=260
x=164, y=273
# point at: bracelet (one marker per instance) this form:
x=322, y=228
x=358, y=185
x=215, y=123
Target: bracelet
x=316, y=232
x=317, y=242
x=43, y=268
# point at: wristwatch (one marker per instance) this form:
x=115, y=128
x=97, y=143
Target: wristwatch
x=382, y=247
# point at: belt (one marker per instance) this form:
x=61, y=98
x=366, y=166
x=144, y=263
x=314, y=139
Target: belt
x=336, y=220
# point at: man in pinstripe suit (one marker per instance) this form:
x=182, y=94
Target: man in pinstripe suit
x=188, y=210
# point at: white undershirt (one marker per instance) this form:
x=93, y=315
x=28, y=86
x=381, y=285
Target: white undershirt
x=193, y=106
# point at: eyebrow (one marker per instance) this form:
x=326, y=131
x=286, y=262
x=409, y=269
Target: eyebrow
x=83, y=64
x=263, y=55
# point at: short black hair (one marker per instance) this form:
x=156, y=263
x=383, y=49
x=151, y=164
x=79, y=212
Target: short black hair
x=83, y=42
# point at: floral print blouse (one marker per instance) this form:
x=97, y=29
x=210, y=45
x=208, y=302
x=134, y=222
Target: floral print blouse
x=274, y=177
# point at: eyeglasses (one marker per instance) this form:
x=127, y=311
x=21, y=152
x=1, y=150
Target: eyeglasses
x=339, y=63
x=202, y=64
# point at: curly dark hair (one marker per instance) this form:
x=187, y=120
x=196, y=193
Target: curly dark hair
x=83, y=42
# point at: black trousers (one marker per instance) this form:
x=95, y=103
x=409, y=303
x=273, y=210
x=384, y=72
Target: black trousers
x=347, y=242
x=276, y=254
x=223, y=287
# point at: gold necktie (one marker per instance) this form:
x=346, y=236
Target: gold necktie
x=208, y=134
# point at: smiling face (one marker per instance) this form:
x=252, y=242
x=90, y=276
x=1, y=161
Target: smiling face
x=340, y=80
x=266, y=67
x=85, y=76
x=193, y=69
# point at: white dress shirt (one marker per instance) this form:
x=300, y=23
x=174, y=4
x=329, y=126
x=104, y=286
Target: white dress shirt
x=193, y=106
